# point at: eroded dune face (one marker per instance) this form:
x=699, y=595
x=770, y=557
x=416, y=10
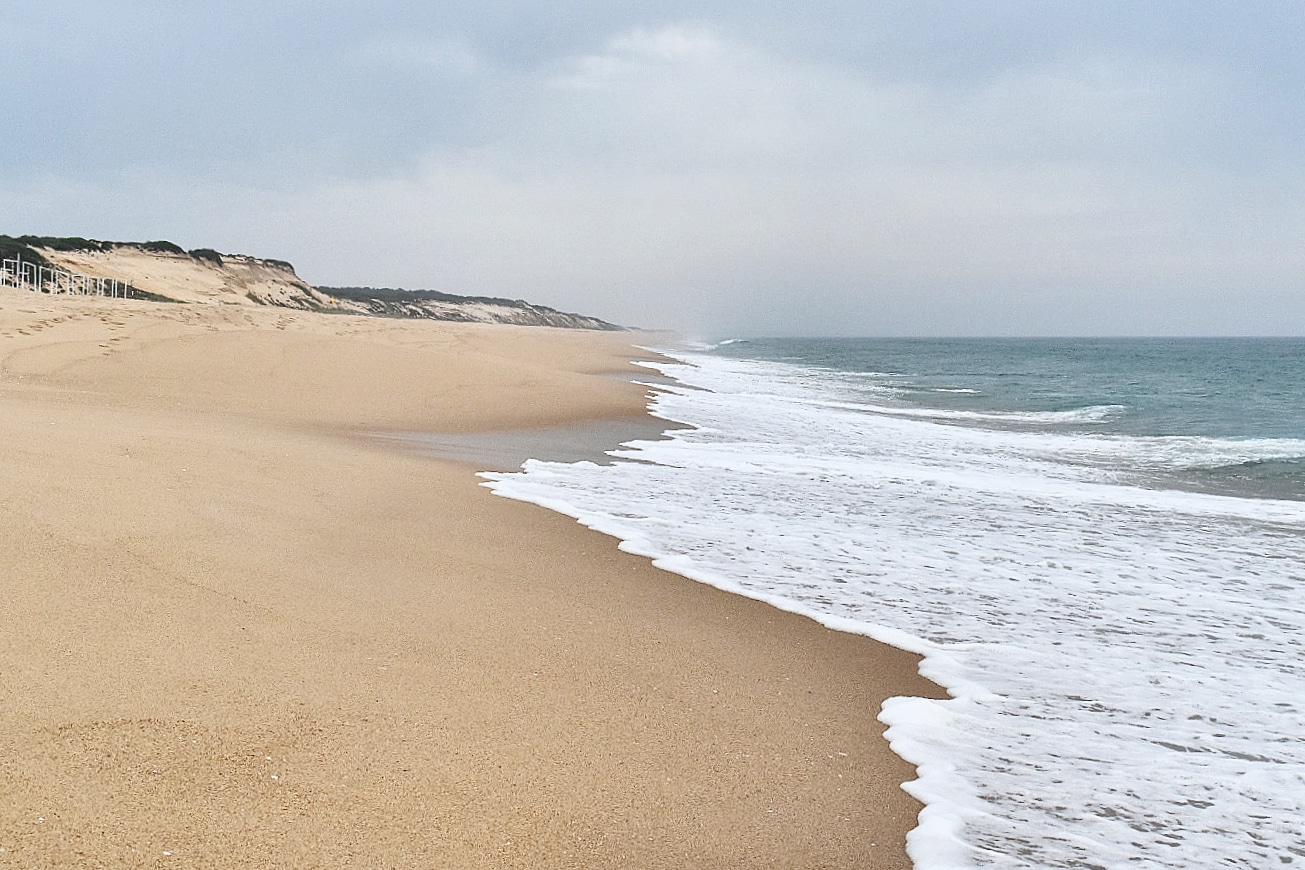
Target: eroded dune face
x=229, y=279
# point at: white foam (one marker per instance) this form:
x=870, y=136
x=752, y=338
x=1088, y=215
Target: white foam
x=1093, y=414
x=1126, y=662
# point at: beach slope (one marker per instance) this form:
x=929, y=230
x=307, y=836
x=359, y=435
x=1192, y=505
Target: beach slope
x=242, y=632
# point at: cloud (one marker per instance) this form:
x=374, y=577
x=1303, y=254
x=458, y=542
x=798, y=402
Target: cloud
x=679, y=177
x=685, y=176
x=632, y=56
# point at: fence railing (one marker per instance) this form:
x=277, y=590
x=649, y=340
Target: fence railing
x=47, y=279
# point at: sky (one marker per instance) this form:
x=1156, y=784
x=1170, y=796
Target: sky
x=721, y=168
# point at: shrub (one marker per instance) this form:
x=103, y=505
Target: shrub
x=161, y=247
x=69, y=243
x=207, y=254
x=14, y=249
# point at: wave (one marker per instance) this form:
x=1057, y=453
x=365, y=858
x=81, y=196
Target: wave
x=1073, y=416
x=1188, y=452
x=708, y=347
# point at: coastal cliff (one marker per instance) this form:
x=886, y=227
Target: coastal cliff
x=165, y=272
x=434, y=305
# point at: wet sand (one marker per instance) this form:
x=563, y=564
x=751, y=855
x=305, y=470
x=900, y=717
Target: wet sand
x=242, y=631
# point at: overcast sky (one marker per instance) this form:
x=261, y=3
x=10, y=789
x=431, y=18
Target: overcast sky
x=828, y=167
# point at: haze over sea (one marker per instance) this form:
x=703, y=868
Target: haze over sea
x=1098, y=545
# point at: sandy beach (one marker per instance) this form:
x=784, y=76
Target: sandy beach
x=241, y=631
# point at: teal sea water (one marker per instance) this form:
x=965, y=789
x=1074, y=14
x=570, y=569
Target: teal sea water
x=1163, y=388
x=1098, y=546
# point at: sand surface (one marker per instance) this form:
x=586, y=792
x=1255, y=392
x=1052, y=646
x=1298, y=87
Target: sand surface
x=240, y=633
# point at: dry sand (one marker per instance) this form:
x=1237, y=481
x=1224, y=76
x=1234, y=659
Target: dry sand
x=237, y=633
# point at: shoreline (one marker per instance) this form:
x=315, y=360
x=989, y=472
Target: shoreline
x=245, y=640
x=505, y=450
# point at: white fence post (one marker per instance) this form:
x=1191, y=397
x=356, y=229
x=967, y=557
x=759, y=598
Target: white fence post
x=47, y=279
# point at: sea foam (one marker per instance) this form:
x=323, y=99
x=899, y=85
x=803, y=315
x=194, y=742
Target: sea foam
x=1125, y=660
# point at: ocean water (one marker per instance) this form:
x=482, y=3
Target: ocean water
x=1098, y=546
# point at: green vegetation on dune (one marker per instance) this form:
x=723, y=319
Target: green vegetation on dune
x=16, y=249
x=66, y=243
x=207, y=254
x=30, y=247
x=398, y=294
x=77, y=243
x=160, y=247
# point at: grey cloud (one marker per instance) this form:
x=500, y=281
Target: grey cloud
x=824, y=167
